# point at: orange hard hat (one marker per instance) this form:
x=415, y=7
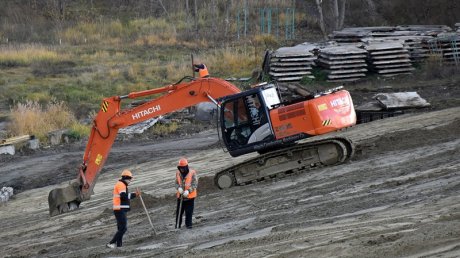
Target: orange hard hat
x=183, y=162
x=126, y=173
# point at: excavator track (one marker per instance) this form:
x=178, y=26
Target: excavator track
x=298, y=158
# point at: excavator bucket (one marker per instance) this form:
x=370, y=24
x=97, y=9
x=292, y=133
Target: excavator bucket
x=62, y=200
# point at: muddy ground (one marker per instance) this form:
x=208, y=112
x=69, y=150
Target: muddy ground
x=399, y=196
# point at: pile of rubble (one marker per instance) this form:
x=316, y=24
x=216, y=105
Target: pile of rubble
x=5, y=194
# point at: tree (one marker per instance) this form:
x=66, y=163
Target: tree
x=338, y=16
x=321, y=18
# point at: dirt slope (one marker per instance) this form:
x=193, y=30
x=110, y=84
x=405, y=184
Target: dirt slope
x=398, y=197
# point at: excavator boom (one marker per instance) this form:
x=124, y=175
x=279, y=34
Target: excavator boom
x=111, y=118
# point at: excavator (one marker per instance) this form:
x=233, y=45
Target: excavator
x=255, y=120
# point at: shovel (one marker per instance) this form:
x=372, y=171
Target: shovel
x=146, y=212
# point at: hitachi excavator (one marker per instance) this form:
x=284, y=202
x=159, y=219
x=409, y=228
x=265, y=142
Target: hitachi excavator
x=255, y=120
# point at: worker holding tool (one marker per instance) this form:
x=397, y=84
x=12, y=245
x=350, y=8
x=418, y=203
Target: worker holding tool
x=202, y=70
x=121, y=202
x=186, y=186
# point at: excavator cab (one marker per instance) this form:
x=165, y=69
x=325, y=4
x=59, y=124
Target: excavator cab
x=245, y=122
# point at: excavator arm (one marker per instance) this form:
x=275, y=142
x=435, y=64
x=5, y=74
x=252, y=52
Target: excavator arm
x=111, y=118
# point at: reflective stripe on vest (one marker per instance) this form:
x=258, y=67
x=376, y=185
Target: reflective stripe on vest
x=188, y=183
x=118, y=204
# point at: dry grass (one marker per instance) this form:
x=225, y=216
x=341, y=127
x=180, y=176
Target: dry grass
x=156, y=40
x=164, y=129
x=232, y=61
x=31, y=118
x=435, y=67
x=23, y=55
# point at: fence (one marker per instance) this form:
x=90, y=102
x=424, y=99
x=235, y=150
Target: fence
x=279, y=22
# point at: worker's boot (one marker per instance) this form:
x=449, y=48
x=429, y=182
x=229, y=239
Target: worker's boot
x=111, y=246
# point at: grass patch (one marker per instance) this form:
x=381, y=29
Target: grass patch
x=77, y=131
x=33, y=119
x=24, y=55
x=164, y=129
x=435, y=68
x=227, y=61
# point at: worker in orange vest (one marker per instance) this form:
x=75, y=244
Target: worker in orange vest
x=202, y=70
x=186, y=186
x=121, y=202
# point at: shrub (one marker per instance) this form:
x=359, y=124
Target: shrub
x=30, y=118
x=78, y=131
x=164, y=129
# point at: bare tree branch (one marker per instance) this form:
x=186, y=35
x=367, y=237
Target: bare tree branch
x=335, y=9
x=372, y=9
x=321, y=18
x=169, y=18
x=342, y=14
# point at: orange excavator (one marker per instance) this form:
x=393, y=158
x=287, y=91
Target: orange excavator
x=255, y=120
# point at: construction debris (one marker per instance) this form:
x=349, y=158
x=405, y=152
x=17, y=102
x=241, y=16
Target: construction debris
x=386, y=105
x=139, y=127
x=5, y=194
x=10, y=145
x=15, y=140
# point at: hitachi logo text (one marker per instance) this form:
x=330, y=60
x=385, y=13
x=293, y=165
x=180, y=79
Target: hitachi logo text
x=146, y=112
x=342, y=101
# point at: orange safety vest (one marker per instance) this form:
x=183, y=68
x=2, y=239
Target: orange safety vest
x=188, y=183
x=119, y=204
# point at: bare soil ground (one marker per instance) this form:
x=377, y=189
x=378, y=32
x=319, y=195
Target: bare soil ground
x=399, y=196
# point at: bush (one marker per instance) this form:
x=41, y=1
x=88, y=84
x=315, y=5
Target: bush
x=164, y=129
x=78, y=131
x=30, y=118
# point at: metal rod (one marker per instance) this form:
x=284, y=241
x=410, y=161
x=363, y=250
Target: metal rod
x=179, y=213
x=146, y=212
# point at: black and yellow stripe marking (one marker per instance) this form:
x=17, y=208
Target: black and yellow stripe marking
x=105, y=106
x=327, y=122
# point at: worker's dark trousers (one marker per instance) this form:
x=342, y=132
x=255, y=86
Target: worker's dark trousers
x=187, y=206
x=122, y=226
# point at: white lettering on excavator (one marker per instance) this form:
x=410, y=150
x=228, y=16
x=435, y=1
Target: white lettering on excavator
x=146, y=112
x=339, y=102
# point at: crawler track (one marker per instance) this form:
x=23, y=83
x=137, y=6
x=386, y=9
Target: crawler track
x=295, y=159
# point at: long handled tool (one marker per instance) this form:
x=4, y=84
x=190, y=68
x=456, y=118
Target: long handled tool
x=179, y=212
x=146, y=212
